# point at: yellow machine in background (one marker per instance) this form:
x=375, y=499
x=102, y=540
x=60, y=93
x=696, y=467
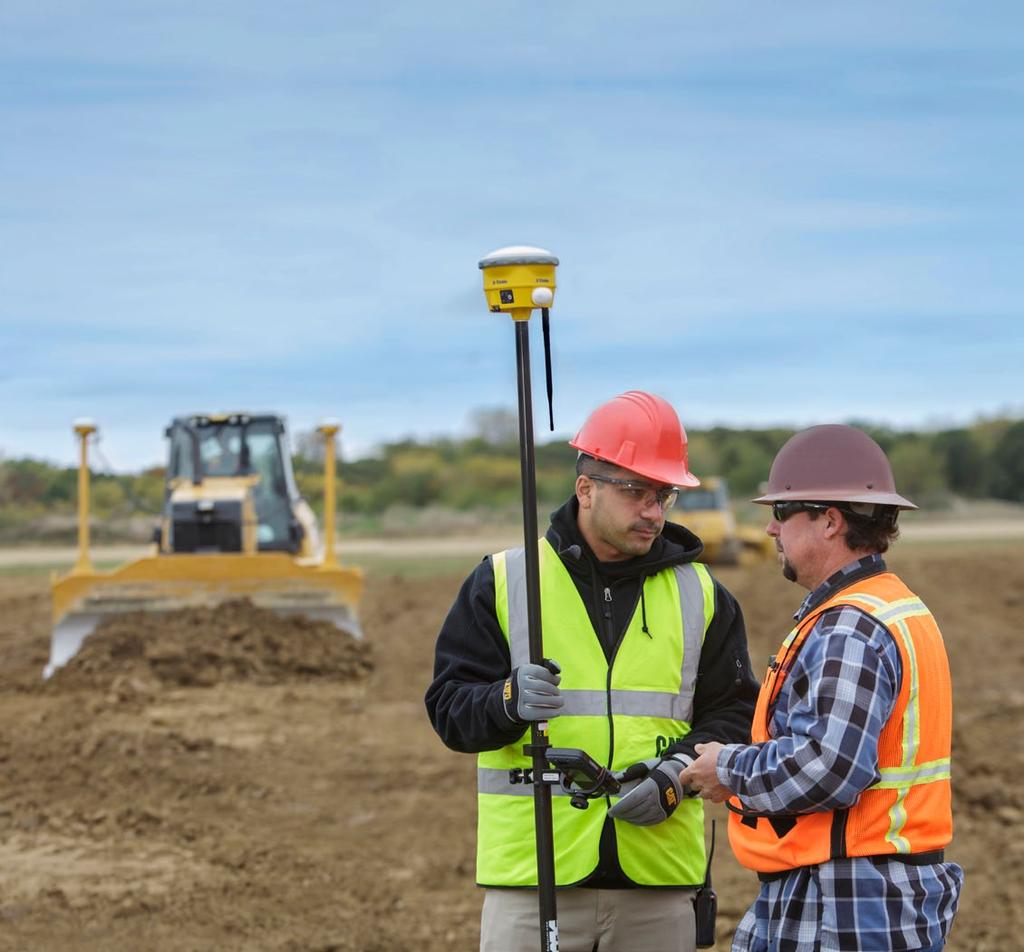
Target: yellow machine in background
x=706, y=512
x=233, y=526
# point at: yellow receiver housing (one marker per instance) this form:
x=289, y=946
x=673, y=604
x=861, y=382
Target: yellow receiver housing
x=518, y=279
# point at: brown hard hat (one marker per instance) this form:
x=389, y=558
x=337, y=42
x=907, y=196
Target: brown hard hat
x=832, y=463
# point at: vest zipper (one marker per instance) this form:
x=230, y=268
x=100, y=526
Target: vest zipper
x=611, y=665
x=606, y=611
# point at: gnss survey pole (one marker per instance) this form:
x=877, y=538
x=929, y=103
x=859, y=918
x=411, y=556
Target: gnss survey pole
x=517, y=280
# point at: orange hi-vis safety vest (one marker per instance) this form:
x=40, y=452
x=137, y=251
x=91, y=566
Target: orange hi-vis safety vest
x=907, y=811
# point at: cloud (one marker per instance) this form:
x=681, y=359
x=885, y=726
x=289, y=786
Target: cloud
x=248, y=205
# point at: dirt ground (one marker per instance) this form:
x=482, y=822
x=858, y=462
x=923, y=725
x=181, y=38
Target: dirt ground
x=234, y=787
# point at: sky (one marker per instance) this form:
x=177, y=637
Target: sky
x=787, y=213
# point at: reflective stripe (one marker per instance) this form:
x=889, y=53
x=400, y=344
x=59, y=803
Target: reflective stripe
x=585, y=703
x=894, y=615
x=912, y=717
x=518, y=622
x=626, y=703
x=911, y=738
x=651, y=704
x=893, y=777
x=693, y=606
x=494, y=780
x=890, y=612
x=900, y=611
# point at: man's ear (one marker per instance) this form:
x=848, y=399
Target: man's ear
x=584, y=491
x=835, y=523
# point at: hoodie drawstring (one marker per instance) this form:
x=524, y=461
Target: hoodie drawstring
x=643, y=611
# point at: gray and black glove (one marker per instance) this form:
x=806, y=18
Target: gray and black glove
x=656, y=797
x=530, y=693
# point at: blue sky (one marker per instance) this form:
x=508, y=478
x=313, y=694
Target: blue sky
x=767, y=213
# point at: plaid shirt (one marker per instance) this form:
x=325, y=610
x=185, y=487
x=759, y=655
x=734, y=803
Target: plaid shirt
x=825, y=726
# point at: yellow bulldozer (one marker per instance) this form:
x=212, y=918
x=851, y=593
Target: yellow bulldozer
x=706, y=512
x=233, y=525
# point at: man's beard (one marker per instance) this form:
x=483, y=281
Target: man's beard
x=788, y=572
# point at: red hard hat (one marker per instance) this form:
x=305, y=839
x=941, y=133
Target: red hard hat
x=832, y=463
x=639, y=432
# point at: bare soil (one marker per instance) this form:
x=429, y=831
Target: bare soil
x=215, y=782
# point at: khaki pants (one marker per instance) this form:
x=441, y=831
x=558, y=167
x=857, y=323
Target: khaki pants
x=591, y=920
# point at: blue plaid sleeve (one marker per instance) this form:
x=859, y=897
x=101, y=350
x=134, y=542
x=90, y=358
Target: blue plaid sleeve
x=827, y=719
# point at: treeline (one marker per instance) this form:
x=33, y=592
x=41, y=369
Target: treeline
x=983, y=460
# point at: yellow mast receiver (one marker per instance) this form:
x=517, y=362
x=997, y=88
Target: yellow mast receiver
x=518, y=279
x=329, y=431
x=84, y=428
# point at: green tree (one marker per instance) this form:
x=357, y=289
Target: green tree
x=484, y=481
x=918, y=470
x=416, y=478
x=964, y=462
x=107, y=496
x=23, y=481
x=704, y=456
x=1008, y=457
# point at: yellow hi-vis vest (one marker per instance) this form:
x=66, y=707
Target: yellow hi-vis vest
x=620, y=714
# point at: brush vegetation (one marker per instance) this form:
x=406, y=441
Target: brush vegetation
x=476, y=479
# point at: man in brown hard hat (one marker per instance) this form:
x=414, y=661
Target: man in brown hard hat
x=842, y=802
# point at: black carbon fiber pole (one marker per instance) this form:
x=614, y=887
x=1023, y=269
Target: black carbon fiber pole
x=538, y=731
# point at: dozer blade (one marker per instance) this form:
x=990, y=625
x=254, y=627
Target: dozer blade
x=68, y=635
x=164, y=583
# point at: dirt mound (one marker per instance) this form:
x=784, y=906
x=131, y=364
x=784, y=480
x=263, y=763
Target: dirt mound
x=201, y=647
x=318, y=813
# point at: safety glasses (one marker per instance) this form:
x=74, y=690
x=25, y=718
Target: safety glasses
x=781, y=511
x=642, y=493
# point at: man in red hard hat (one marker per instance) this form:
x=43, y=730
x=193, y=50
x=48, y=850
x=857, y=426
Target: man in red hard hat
x=842, y=802
x=653, y=658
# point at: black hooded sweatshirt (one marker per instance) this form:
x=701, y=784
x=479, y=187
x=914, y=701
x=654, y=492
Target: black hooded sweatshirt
x=471, y=660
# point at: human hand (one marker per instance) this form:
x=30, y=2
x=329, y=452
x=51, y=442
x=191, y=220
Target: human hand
x=653, y=799
x=530, y=693
x=701, y=777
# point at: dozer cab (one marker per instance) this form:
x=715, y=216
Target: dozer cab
x=706, y=512
x=233, y=526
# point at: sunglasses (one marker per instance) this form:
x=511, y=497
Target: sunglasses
x=781, y=511
x=664, y=496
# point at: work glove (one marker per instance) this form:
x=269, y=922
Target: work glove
x=654, y=798
x=530, y=693
x=634, y=775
